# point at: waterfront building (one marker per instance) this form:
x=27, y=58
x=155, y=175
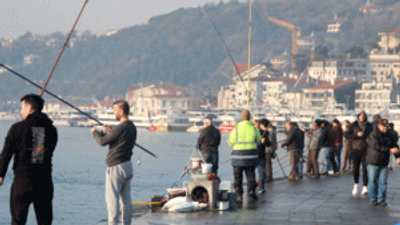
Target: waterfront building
x=325, y=94
x=155, y=100
x=376, y=96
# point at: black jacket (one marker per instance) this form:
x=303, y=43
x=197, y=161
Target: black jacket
x=262, y=146
x=328, y=137
x=379, y=145
x=209, y=140
x=294, y=140
x=358, y=143
x=32, y=143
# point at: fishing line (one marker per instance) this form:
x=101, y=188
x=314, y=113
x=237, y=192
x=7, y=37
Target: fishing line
x=67, y=103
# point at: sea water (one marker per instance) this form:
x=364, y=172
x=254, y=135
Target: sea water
x=79, y=172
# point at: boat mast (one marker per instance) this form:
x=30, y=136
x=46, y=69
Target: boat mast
x=249, y=60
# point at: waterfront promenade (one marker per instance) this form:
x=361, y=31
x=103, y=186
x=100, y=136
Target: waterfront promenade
x=324, y=201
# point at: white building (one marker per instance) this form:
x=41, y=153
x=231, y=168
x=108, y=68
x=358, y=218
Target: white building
x=389, y=39
x=375, y=96
x=158, y=100
x=335, y=25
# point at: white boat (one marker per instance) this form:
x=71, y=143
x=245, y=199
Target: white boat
x=71, y=118
x=108, y=118
x=198, y=120
x=174, y=120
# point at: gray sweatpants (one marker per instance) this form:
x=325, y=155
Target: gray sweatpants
x=118, y=191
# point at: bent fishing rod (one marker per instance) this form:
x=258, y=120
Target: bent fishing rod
x=67, y=103
x=62, y=50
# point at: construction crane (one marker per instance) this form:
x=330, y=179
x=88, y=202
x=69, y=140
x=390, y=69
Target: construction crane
x=295, y=35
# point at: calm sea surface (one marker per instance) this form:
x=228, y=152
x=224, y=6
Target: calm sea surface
x=79, y=172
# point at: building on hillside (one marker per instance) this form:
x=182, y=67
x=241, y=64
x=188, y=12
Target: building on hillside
x=376, y=96
x=369, y=8
x=306, y=44
x=389, y=40
x=155, y=100
x=257, y=71
x=282, y=62
x=335, y=25
x=234, y=96
x=385, y=67
x=325, y=94
x=286, y=91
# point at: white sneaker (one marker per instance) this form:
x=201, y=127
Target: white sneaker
x=355, y=190
x=364, y=190
x=331, y=172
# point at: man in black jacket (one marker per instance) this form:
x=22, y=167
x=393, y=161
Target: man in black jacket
x=31, y=142
x=358, y=133
x=265, y=156
x=380, y=145
x=208, y=142
x=294, y=143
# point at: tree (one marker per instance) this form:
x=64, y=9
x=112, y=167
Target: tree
x=321, y=53
x=357, y=52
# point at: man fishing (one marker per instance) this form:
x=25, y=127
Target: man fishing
x=208, y=142
x=32, y=142
x=121, y=140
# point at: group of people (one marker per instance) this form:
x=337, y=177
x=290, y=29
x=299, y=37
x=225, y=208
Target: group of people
x=32, y=142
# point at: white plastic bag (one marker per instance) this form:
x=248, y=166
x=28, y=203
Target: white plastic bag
x=173, y=202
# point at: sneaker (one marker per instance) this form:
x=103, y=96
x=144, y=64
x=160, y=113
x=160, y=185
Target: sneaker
x=261, y=191
x=253, y=195
x=382, y=204
x=364, y=190
x=374, y=203
x=290, y=179
x=355, y=190
x=331, y=172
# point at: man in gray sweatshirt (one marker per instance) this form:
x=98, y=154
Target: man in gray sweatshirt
x=121, y=140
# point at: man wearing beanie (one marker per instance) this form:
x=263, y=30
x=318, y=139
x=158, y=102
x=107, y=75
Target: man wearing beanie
x=358, y=133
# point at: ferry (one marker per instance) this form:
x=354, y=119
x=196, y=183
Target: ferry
x=175, y=120
x=107, y=117
x=229, y=120
x=71, y=118
x=197, y=120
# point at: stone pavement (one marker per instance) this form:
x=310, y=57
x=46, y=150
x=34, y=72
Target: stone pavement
x=324, y=201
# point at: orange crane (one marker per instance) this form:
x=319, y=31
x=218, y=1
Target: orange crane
x=295, y=35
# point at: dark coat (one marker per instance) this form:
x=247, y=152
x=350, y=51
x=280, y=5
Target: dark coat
x=294, y=140
x=209, y=140
x=379, y=145
x=358, y=143
x=262, y=146
x=31, y=142
x=328, y=137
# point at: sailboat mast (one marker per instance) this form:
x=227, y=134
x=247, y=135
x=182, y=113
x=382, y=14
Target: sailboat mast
x=249, y=59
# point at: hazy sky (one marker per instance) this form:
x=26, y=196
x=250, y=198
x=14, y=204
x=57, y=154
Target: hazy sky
x=46, y=16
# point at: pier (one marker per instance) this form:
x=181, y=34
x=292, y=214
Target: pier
x=308, y=201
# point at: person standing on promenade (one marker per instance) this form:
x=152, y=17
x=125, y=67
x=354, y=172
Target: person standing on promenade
x=272, y=150
x=301, y=160
x=358, y=133
x=244, y=139
x=121, y=140
x=32, y=142
x=327, y=149
x=346, y=159
x=395, y=136
x=377, y=120
x=208, y=142
x=293, y=142
x=380, y=145
x=314, y=146
x=264, y=148
x=338, y=142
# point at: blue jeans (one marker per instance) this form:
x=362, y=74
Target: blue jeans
x=262, y=176
x=377, y=182
x=324, y=156
x=338, y=156
x=212, y=158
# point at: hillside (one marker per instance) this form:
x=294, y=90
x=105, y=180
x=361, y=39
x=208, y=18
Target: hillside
x=183, y=48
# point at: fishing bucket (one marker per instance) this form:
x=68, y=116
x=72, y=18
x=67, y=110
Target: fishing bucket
x=206, y=168
x=196, y=162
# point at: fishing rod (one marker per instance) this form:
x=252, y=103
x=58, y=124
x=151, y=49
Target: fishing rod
x=62, y=50
x=67, y=103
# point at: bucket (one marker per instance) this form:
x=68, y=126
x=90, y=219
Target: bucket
x=196, y=163
x=206, y=168
x=232, y=200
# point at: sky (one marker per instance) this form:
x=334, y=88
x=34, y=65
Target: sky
x=99, y=16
